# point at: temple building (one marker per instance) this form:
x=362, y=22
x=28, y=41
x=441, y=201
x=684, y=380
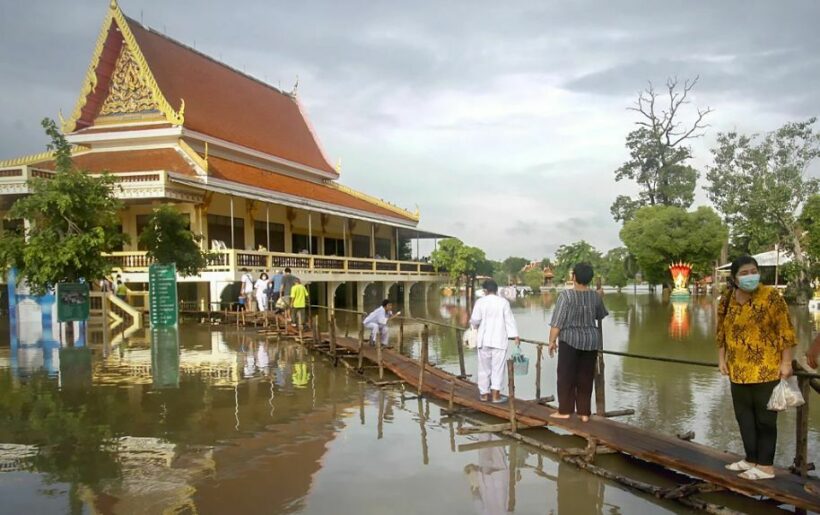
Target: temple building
x=240, y=159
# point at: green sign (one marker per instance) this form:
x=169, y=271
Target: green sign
x=162, y=295
x=165, y=357
x=72, y=302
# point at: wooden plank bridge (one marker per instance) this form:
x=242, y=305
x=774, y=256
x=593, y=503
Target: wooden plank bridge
x=603, y=434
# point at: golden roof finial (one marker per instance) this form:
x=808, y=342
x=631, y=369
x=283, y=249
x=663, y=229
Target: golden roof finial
x=113, y=4
x=339, y=165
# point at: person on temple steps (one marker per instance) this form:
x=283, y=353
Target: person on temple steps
x=574, y=334
x=299, y=296
x=493, y=319
x=755, y=338
x=377, y=320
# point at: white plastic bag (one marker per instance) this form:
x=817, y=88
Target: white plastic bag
x=471, y=338
x=786, y=395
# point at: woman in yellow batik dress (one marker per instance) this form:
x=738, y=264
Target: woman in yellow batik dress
x=755, y=337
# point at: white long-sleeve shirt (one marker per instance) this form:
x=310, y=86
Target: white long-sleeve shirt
x=494, y=319
x=377, y=316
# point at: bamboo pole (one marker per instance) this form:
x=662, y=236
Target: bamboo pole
x=425, y=334
x=540, y=353
x=401, y=335
x=801, y=449
x=315, y=327
x=361, y=343
x=379, y=359
x=460, y=347
x=600, y=395
x=450, y=403
x=332, y=332
x=512, y=460
x=511, y=383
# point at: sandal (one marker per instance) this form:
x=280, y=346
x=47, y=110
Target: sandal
x=739, y=466
x=754, y=473
x=500, y=400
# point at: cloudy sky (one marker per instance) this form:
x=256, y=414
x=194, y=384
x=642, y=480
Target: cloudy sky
x=502, y=121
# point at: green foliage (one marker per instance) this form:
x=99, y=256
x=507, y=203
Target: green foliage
x=405, y=250
x=659, y=235
x=169, y=240
x=759, y=183
x=460, y=260
x=546, y=262
x=513, y=265
x=534, y=278
x=567, y=256
x=73, y=219
x=810, y=223
x=658, y=152
x=615, y=270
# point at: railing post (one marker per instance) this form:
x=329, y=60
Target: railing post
x=373, y=266
x=511, y=386
x=311, y=262
x=361, y=343
x=425, y=335
x=460, y=346
x=600, y=395
x=379, y=357
x=540, y=353
x=401, y=335
x=332, y=330
x=801, y=449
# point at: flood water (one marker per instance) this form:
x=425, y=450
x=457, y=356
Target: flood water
x=223, y=420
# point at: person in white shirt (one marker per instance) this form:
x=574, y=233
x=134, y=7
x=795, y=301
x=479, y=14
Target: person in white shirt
x=377, y=320
x=494, y=320
x=261, y=291
x=247, y=289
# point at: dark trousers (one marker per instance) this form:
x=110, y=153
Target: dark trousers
x=576, y=371
x=758, y=425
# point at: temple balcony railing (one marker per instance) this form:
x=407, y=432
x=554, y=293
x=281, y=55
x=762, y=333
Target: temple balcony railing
x=233, y=261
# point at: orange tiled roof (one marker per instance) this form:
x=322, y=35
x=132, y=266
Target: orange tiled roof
x=224, y=103
x=252, y=176
x=128, y=161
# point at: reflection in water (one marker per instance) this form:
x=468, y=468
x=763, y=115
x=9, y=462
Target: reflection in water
x=679, y=325
x=490, y=477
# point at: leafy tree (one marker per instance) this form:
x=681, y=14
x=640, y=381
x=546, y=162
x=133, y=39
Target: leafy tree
x=546, y=262
x=567, y=256
x=405, y=250
x=810, y=223
x=73, y=218
x=658, y=151
x=659, y=235
x=615, y=263
x=534, y=278
x=758, y=183
x=169, y=240
x=512, y=266
x=461, y=261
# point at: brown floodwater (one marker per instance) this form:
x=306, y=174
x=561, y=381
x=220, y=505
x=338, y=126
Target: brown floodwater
x=218, y=420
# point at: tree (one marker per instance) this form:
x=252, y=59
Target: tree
x=659, y=235
x=658, y=150
x=615, y=268
x=810, y=223
x=534, y=278
x=513, y=266
x=758, y=183
x=73, y=218
x=567, y=256
x=169, y=240
x=405, y=250
x=461, y=261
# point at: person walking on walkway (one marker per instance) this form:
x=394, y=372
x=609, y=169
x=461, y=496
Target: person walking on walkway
x=493, y=319
x=574, y=334
x=299, y=296
x=275, y=289
x=377, y=320
x=288, y=280
x=247, y=289
x=261, y=291
x=755, y=339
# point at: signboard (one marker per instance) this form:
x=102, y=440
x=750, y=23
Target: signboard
x=72, y=302
x=162, y=295
x=165, y=357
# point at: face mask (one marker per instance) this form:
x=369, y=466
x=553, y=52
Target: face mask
x=748, y=283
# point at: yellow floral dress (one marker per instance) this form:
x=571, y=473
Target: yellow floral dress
x=754, y=335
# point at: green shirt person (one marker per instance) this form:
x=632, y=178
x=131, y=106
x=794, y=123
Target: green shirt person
x=299, y=296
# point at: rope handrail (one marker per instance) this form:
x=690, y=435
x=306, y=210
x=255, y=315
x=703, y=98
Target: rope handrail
x=663, y=359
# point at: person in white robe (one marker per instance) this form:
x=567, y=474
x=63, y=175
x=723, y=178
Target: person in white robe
x=261, y=290
x=376, y=322
x=493, y=318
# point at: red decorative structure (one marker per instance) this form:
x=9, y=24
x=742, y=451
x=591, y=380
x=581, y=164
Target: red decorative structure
x=680, y=276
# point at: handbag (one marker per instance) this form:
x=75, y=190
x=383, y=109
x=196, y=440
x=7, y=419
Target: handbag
x=471, y=338
x=521, y=363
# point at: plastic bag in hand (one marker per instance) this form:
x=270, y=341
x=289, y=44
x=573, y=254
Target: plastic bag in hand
x=786, y=395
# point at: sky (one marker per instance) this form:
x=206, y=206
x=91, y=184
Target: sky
x=503, y=122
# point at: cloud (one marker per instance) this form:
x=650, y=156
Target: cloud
x=502, y=122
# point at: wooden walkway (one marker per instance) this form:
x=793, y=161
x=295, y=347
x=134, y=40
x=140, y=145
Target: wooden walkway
x=690, y=458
